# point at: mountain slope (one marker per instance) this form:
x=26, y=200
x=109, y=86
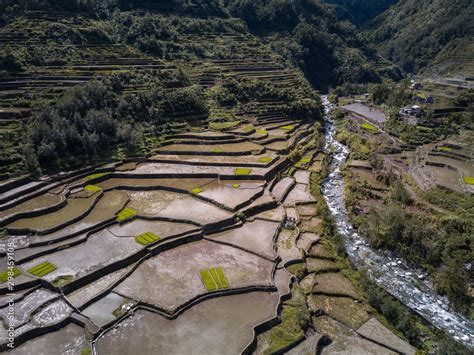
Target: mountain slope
x=317, y=37
x=363, y=11
x=76, y=89
x=423, y=34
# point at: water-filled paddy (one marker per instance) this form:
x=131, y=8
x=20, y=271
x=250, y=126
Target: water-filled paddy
x=75, y=208
x=173, y=170
x=100, y=250
x=232, y=193
x=163, y=229
x=175, y=205
x=67, y=340
x=256, y=236
x=83, y=295
x=102, y=311
x=182, y=184
x=299, y=193
x=216, y=149
x=216, y=326
x=106, y=208
x=177, y=272
x=24, y=308
x=254, y=159
x=37, y=203
x=281, y=188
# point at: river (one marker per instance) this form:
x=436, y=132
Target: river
x=386, y=269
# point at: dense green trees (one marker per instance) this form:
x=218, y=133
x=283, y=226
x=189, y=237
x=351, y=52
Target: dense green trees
x=442, y=245
x=314, y=36
x=363, y=11
x=9, y=61
x=414, y=34
x=88, y=122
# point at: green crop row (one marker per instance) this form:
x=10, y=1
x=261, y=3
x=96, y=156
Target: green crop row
x=214, y=279
x=95, y=176
x=4, y=274
x=242, y=171
x=146, y=238
x=92, y=188
x=125, y=214
x=42, y=269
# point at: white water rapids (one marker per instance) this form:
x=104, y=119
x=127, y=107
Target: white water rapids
x=387, y=270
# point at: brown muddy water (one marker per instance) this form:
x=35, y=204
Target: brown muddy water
x=217, y=326
x=183, y=184
x=36, y=203
x=175, y=205
x=106, y=208
x=232, y=193
x=176, y=271
x=68, y=340
x=256, y=236
x=74, y=208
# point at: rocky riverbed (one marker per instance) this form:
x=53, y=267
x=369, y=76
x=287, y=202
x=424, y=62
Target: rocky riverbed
x=389, y=271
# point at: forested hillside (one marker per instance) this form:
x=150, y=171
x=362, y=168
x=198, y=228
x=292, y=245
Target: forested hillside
x=86, y=81
x=318, y=37
x=421, y=34
x=363, y=11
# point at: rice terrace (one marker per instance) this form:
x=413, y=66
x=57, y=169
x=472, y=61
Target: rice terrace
x=233, y=177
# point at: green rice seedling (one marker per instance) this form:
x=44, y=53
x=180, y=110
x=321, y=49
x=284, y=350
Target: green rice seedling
x=146, y=238
x=217, y=126
x=289, y=127
x=207, y=280
x=4, y=274
x=248, y=128
x=125, y=214
x=197, y=190
x=446, y=149
x=222, y=278
x=369, y=127
x=95, y=176
x=468, y=180
x=235, y=186
x=62, y=281
x=262, y=131
x=215, y=276
x=92, y=188
x=265, y=160
x=242, y=171
x=42, y=269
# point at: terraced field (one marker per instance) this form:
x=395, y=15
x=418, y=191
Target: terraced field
x=180, y=252
x=211, y=239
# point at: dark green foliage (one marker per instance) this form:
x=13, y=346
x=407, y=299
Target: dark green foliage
x=313, y=36
x=10, y=62
x=89, y=121
x=190, y=7
x=363, y=11
x=391, y=309
x=437, y=244
x=158, y=35
x=414, y=33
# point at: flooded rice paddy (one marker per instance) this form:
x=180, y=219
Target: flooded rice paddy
x=107, y=290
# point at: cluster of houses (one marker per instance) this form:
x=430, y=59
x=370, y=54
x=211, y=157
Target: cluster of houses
x=413, y=113
x=414, y=110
